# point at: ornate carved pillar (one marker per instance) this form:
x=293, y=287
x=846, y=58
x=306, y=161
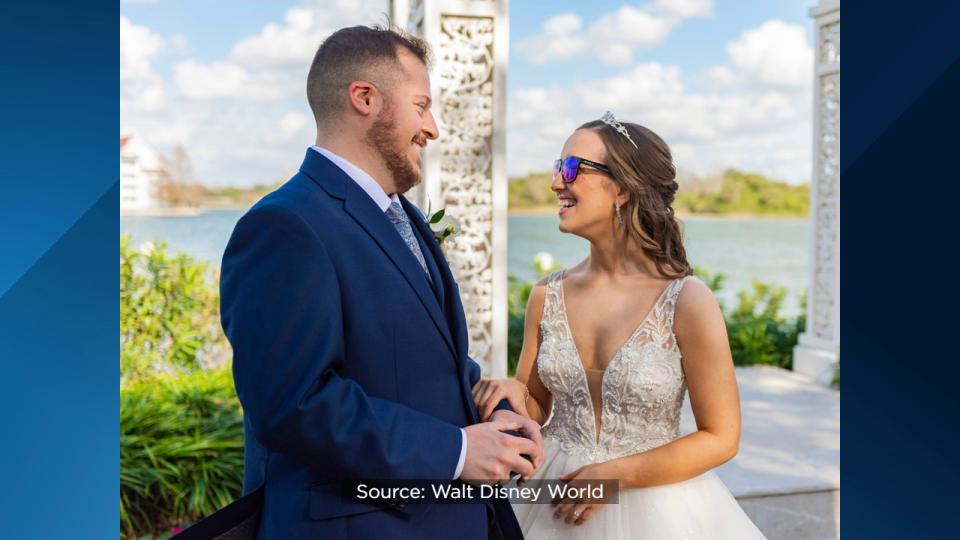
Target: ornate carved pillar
x=464, y=171
x=819, y=347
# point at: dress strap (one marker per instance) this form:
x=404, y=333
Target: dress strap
x=551, y=303
x=670, y=298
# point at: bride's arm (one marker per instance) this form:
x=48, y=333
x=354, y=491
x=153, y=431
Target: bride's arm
x=539, y=400
x=708, y=365
x=526, y=393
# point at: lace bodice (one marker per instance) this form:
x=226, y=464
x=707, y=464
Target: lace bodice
x=642, y=389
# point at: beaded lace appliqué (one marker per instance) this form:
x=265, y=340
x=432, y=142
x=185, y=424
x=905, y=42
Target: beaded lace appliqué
x=642, y=388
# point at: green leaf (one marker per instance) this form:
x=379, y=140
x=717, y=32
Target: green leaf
x=434, y=219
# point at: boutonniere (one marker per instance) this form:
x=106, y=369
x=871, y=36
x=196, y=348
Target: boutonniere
x=441, y=224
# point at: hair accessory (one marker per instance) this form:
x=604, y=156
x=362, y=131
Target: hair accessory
x=609, y=120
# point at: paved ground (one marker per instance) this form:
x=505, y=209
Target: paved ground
x=787, y=474
x=790, y=437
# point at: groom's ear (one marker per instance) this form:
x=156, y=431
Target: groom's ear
x=363, y=96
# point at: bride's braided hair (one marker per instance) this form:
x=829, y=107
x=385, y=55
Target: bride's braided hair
x=647, y=173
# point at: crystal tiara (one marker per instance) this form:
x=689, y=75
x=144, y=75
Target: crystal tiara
x=609, y=120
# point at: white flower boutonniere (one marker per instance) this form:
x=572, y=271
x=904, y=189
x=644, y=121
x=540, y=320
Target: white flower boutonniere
x=442, y=225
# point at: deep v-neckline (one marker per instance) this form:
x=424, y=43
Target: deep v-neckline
x=598, y=430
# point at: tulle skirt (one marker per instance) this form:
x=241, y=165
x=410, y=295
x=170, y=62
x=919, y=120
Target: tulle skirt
x=696, y=509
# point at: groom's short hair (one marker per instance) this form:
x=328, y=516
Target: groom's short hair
x=357, y=53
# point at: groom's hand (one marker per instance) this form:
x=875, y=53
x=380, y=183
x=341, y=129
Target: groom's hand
x=528, y=429
x=492, y=454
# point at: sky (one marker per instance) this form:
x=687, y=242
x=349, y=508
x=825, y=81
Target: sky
x=726, y=83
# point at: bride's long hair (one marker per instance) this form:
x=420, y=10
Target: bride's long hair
x=648, y=175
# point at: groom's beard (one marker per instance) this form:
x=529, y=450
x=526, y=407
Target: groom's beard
x=382, y=136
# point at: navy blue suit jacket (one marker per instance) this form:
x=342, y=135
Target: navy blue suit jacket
x=348, y=361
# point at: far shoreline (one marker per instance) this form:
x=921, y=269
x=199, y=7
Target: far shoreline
x=552, y=210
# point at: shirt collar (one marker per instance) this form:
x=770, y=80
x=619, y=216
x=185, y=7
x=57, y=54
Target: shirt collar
x=364, y=180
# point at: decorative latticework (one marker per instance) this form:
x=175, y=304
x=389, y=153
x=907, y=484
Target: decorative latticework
x=819, y=346
x=464, y=172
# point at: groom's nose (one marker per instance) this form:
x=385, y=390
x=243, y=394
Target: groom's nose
x=430, y=129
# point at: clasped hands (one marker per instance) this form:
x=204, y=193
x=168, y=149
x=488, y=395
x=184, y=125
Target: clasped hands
x=487, y=393
x=492, y=453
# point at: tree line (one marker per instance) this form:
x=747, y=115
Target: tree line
x=731, y=192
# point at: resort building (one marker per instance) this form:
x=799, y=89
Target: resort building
x=141, y=171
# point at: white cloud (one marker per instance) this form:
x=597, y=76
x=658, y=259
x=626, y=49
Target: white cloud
x=617, y=34
x=210, y=81
x=686, y=8
x=138, y=46
x=243, y=117
x=179, y=42
x=775, y=53
x=141, y=88
x=272, y=64
x=722, y=74
x=755, y=116
x=614, y=36
x=295, y=41
x=293, y=124
x=229, y=80
x=559, y=39
x=760, y=128
x=644, y=85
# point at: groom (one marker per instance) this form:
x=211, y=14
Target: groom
x=348, y=334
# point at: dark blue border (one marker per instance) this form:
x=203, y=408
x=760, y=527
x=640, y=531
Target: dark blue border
x=59, y=306
x=900, y=85
x=58, y=281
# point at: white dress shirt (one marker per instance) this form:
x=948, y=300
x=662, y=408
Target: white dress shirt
x=379, y=196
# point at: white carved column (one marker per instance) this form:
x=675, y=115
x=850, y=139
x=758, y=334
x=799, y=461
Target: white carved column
x=819, y=347
x=464, y=171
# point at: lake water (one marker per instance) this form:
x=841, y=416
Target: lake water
x=774, y=251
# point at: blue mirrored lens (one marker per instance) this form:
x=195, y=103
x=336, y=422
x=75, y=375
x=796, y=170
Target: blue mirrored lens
x=570, y=167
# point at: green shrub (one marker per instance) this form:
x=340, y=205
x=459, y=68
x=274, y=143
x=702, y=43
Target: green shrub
x=169, y=312
x=517, y=298
x=181, y=449
x=181, y=426
x=758, y=333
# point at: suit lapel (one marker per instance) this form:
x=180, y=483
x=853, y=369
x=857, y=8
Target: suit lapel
x=450, y=298
x=368, y=215
x=426, y=239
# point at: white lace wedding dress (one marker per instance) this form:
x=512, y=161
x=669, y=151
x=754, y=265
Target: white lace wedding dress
x=641, y=394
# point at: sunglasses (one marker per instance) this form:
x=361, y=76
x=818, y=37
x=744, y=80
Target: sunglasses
x=569, y=167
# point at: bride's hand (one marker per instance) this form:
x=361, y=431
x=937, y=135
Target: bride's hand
x=487, y=393
x=577, y=511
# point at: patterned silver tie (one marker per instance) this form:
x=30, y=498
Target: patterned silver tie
x=399, y=218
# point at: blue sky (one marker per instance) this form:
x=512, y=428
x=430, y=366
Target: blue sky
x=726, y=83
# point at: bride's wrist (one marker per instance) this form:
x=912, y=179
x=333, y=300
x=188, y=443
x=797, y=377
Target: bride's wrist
x=520, y=387
x=526, y=391
x=612, y=470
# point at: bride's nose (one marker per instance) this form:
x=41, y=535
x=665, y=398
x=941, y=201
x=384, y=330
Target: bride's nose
x=557, y=184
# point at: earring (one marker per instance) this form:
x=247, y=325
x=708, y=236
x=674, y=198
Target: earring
x=619, y=216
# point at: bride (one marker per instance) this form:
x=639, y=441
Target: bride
x=610, y=347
